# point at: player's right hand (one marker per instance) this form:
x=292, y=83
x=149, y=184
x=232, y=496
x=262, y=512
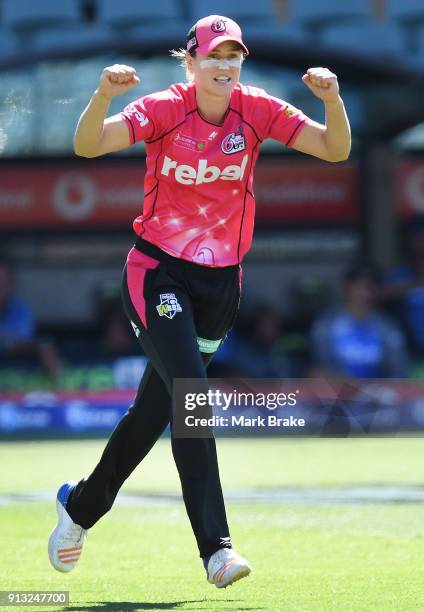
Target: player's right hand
x=116, y=80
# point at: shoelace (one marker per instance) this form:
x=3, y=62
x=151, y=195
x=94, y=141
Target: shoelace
x=223, y=556
x=75, y=535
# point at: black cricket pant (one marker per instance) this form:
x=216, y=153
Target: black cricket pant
x=175, y=307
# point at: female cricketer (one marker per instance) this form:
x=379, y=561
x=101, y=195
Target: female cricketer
x=181, y=282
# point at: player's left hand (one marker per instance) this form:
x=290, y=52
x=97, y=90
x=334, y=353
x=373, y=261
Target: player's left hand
x=323, y=83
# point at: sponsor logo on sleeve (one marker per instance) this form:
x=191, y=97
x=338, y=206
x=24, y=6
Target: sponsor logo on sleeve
x=142, y=119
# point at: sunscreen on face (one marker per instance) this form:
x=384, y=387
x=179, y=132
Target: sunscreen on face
x=223, y=64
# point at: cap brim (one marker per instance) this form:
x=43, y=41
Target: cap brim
x=212, y=44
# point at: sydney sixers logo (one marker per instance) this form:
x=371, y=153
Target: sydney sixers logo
x=233, y=143
x=218, y=26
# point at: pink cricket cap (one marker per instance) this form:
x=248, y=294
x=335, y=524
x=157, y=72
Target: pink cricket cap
x=211, y=31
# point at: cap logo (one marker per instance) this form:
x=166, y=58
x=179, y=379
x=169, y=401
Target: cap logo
x=218, y=26
x=192, y=43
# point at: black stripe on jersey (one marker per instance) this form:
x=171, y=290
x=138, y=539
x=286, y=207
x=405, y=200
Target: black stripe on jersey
x=244, y=202
x=157, y=191
x=211, y=122
x=172, y=129
x=294, y=132
x=250, y=169
x=152, y=189
x=246, y=122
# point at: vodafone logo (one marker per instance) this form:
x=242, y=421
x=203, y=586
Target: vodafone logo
x=74, y=196
x=414, y=189
x=187, y=175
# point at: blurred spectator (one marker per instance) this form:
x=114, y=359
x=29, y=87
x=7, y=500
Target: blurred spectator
x=254, y=348
x=116, y=338
x=19, y=344
x=356, y=339
x=309, y=296
x=403, y=290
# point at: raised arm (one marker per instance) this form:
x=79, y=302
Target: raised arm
x=95, y=135
x=331, y=141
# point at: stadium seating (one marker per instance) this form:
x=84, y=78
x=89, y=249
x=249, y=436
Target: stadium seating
x=373, y=39
x=322, y=13
x=80, y=38
x=419, y=58
x=408, y=11
x=137, y=12
x=9, y=44
x=242, y=11
x=259, y=35
x=409, y=14
x=27, y=14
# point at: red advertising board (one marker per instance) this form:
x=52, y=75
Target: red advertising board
x=73, y=196
x=111, y=194
x=410, y=188
x=307, y=192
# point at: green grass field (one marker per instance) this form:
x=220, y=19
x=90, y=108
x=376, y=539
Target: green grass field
x=306, y=557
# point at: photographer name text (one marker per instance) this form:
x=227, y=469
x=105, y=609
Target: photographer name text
x=243, y=421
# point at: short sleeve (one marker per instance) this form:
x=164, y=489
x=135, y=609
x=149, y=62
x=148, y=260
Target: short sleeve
x=287, y=121
x=139, y=119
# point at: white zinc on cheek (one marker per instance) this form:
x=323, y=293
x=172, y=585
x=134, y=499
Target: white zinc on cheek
x=224, y=64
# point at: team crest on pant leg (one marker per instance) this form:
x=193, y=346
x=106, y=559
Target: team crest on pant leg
x=168, y=306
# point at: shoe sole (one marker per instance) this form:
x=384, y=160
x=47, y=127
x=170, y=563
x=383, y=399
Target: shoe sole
x=240, y=572
x=52, y=541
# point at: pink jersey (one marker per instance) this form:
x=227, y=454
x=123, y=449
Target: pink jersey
x=199, y=203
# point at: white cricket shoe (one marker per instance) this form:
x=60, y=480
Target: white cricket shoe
x=67, y=538
x=226, y=566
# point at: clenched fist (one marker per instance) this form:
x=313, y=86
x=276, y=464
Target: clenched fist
x=116, y=80
x=322, y=83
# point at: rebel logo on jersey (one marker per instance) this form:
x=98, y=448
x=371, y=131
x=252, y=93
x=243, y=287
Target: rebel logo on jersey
x=234, y=143
x=187, y=175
